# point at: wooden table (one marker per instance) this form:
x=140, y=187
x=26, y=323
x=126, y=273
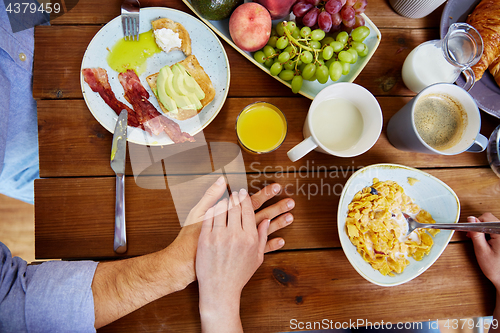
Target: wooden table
x=311, y=279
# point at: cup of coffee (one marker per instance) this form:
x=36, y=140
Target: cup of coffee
x=442, y=119
x=344, y=120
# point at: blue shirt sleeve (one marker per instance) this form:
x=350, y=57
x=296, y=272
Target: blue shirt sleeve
x=19, y=165
x=55, y=296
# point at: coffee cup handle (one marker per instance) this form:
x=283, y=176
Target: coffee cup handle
x=301, y=149
x=479, y=145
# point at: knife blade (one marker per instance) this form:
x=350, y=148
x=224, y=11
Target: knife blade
x=118, y=155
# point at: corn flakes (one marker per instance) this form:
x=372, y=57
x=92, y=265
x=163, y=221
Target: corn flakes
x=376, y=226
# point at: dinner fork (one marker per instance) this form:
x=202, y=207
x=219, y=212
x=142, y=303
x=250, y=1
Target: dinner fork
x=485, y=227
x=130, y=19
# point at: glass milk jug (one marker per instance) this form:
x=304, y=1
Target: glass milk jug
x=442, y=60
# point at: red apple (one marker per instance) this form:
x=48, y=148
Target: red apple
x=279, y=9
x=250, y=26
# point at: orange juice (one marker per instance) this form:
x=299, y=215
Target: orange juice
x=261, y=127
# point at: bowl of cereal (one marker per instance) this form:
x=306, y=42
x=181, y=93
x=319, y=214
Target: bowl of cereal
x=372, y=229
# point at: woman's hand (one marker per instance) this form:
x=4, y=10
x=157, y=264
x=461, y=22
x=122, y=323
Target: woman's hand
x=488, y=257
x=230, y=249
x=487, y=251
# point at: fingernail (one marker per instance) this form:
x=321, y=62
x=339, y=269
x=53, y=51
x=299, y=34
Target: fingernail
x=471, y=219
x=220, y=181
x=289, y=218
x=243, y=194
x=276, y=188
x=290, y=204
x=281, y=242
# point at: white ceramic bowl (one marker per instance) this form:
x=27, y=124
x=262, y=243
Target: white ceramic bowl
x=429, y=193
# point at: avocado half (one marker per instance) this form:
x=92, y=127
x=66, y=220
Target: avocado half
x=215, y=9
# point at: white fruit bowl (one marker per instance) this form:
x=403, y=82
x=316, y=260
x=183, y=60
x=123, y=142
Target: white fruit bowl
x=309, y=89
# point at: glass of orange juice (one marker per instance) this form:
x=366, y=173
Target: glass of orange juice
x=261, y=128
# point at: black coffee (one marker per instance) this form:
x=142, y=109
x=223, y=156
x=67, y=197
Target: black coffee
x=440, y=120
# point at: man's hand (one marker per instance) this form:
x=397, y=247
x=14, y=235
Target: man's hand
x=122, y=286
x=185, y=245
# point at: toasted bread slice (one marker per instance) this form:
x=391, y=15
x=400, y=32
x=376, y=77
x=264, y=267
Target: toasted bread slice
x=175, y=27
x=198, y=73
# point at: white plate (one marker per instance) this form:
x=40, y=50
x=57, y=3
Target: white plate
x=205, y=46
x=309, y=89
x=429, y=193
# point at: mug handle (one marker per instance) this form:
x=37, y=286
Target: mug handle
x=479, y=145
x=301, y=149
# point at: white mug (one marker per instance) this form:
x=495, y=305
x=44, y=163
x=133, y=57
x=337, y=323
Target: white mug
x=415, y=8
x=403, y=134
x=370, y=116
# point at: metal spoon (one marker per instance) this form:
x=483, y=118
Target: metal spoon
x=484, y=227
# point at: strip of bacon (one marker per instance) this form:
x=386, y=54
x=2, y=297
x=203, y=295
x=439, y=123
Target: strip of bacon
x=152, y=120
x=144, y=115
x=97, y=79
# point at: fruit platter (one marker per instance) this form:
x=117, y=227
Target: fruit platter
x=309, y=45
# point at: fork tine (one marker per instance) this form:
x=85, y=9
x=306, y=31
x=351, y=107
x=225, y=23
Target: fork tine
x=132, y=28
x=124, y=26
x=136, y=23
x=126, y=29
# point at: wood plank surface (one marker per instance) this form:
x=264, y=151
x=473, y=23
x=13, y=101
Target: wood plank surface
x=72, y=143
x=74, y=216
x=310, y=279
x=57, y=64
x=379, y=11
x=313, y=285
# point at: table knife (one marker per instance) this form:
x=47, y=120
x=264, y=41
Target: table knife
x=118, y=155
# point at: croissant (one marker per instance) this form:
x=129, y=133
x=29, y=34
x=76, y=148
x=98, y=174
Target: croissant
x=495, y=70
x=486, y=19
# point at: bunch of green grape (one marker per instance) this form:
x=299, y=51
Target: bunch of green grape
x=296, y=54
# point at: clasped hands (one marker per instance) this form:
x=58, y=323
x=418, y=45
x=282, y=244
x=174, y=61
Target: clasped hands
x=189, y=244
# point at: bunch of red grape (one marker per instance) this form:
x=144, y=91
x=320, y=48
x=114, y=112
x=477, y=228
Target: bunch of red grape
x=331, y=15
